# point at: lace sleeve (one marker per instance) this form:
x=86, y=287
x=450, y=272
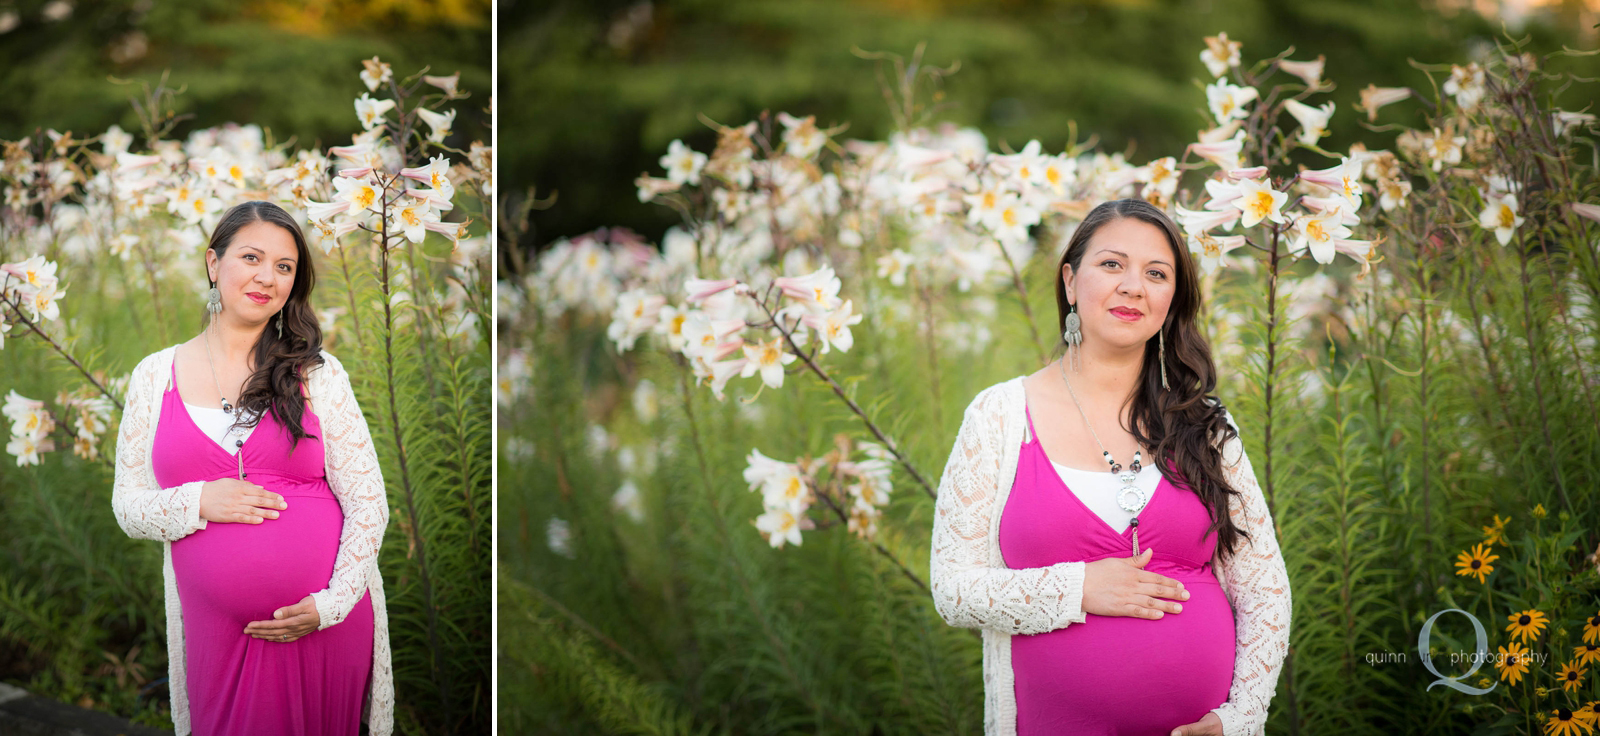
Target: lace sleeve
x=1257, y=583
x=967, y=591
x=143, y=508
x=357, y=482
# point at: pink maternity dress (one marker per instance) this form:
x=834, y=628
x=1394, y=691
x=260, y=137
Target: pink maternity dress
x=1116, y=674
x=229, y=575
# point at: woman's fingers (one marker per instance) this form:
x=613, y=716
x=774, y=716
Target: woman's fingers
x=1160, y=604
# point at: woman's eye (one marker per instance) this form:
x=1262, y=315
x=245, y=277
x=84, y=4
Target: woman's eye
x=250, y=256
x=1158, y=274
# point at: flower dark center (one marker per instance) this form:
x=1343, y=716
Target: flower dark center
x=1525, y=619
x=1477, y=564
x=1562, y=714
x=1594, y=620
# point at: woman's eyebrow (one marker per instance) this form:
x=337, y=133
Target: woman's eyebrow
x=1125, y=255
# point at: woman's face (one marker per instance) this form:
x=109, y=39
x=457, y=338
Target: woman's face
x=256, y=272
x=1124, y=283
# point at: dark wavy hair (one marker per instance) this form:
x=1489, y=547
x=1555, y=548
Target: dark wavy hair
x=1180, y=423
x=282, y=362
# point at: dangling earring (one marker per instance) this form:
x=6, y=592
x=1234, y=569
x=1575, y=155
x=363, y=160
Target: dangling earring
x=280, y=324
x=1073, y=335
x=213, y=299
x=1163, y=359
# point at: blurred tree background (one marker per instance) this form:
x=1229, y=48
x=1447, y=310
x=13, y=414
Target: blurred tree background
x=284, y=65
x=596, y=90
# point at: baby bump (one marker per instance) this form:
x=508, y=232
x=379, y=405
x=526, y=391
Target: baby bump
x=246, y=571
x=1127, y=675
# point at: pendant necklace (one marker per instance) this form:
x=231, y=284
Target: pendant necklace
x=226, y=409
x=1130, y=497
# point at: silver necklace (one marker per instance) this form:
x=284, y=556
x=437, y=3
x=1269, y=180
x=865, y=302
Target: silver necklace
x=1130, y=497
x=226, y=409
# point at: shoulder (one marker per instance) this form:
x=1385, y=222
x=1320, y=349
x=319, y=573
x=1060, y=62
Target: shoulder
x=318, y=375
x=152, y=365
x=994, y=404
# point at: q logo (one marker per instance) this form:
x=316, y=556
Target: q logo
x=1483, y=651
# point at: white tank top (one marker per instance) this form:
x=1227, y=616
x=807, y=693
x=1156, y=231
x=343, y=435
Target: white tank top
x=1098, y=490
x=217, y=424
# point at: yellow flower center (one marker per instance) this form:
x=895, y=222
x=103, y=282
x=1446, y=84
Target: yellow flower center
x=1315, y=231
x=677, y=325
x=1260, y=203
x=989, y=200
x=770, y=353
x=409, y=214
x=1508, y=217
x=364, y=197
x=1009, y=216
x=792, y=490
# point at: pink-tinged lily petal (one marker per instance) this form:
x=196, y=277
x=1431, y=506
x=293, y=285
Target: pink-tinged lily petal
x=1222, y=154
x=453, y=230
x=132, y=161
x=699, y=289
x=725, y=349
x=1254, y=172
x=819, y=291
x=722, y=371
x=433, y=197
x=357, y=172
x=1591, y=211
x=1375, y=97
x=1204, y=220
x=323, y=210
x=1222, y=194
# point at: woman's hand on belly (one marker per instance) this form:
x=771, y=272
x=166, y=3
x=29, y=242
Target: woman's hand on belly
x=288, y=623
x=234, y=501
x=1210, y=725
x=1120, y=586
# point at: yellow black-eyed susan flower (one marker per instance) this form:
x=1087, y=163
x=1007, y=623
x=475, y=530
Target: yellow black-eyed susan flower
x=1589, y=712
x=1564, y=722
x=1526, y=625
x=1570, y=676
x=1586, y=654
x=1538, y=511
x=1491, y=533
x=1512, y=662
x=1476, y=563
x=1591, y=630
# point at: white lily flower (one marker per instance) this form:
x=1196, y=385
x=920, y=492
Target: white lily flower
x=786, y=489
x=894, y=265
x=1211, y=249
x=1259, y=201
x=438, y=122
x=1501, y=216
x=1013, y=219
x=448, y=84
x=779, y=526
x=1443, y=150
x=1220, y=54
x=683, y=164
x=435, y=174
x=28, y=416
x=1467, y=84
x=1309, y=72
x=818, y=291
x=29, y=275
x=636, y=313
x=801, y=138
x=1313, y=120
x=27, y=448
x=1344, y=180
x=115, y=141
x=670, y=325
x=1392, y=193
x=361, y=195
x=200, y=208
x=43, y=302
x=1228, y=101
x=1320, y=233
x=374, y=73
x=1374, y=97
x=371, y=112
x=413, y=218
x=833, y=328
x=768, y=358
x=558, y=537
x=759, y=468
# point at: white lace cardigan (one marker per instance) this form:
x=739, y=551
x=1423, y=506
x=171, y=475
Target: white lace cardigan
x=973, y=588
x=147, y=511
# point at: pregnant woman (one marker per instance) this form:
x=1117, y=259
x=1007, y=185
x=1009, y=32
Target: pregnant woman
x=1099, y=521
x=244, y=451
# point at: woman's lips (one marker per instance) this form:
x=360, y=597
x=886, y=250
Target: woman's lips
x=259, y=298
x=1126, y=316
